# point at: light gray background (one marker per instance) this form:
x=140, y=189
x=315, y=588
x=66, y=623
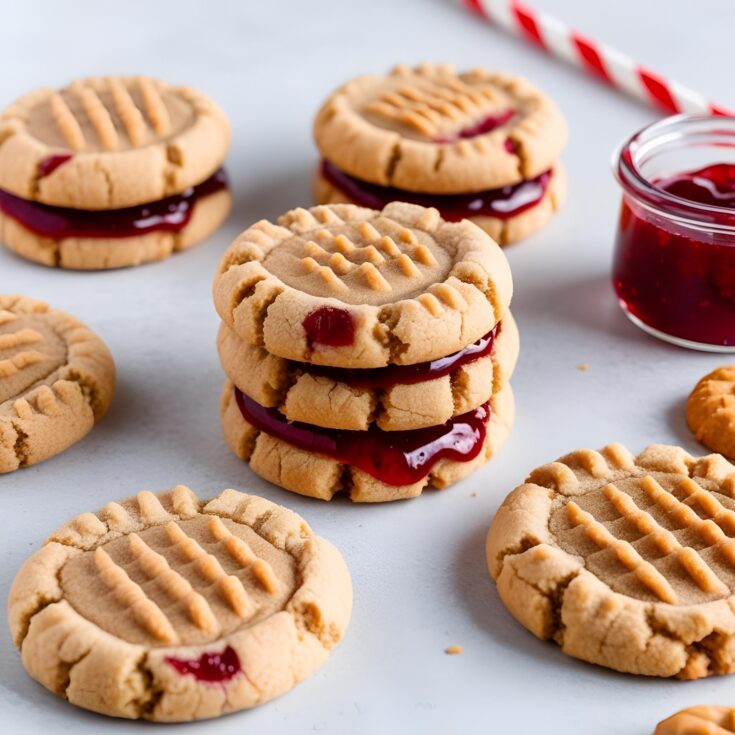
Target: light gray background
x=418, y=567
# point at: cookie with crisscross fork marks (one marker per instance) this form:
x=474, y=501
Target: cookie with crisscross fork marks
x=111, y=172
x=699, y=720
x=624, y=561
x=411, y=286
x=56, y=380
x=171, y=608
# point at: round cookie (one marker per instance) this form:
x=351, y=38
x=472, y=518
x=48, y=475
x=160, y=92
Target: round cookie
x=410, y=129
x=302, y=393
x=320, y=476
x=699, y=720
x=400, y=285
x=110, y=145
x=171, y=608
x=625, y=561
x=710, y=410
x=56, y=380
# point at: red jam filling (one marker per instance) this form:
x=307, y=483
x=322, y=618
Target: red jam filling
x=393, y=457
x=679, y=285
x=165, y=215
x=51, y=163
x=486, y=125
x=503, y=203
x=330, y=326
x=386, y=377
x=209, y=667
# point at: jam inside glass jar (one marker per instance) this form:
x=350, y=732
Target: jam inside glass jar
x=674, y=264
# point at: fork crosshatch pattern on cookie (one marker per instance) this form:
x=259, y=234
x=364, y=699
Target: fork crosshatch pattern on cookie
x=171, y=608
x=625, y=561
x=57, y=379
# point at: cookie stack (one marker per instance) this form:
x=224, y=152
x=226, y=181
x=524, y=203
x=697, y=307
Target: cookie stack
x=479, y=144
x=367, y=352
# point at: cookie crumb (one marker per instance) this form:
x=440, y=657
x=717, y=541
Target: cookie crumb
x=583, y=368
x=454, y=650
x=473, y=495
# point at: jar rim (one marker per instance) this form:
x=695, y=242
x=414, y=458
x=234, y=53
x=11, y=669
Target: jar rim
x=626, y=166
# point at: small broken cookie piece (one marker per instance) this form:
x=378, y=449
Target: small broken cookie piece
x=477, y=144
x=699, y=720
x=57, y=379
x=111, y=172
x=624, y=561
x=171, y=608
x=710, y=410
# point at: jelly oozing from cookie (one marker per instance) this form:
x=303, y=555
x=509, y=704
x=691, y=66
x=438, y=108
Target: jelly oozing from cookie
x=502, y=203
x=485, y=125
x=672, y=282
x=395, y=457
x=49, y=164
x=330, y=326
x=172, y=214
x=387, y=377
x=210, y=667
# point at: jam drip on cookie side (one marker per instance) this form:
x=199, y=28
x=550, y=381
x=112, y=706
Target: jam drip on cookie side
x=394, y=457
x=502, y=203
x=209, y=667
x=678, y=285
x=386, y=377
x=49, y=164
x=330, y=326
x=165, y=215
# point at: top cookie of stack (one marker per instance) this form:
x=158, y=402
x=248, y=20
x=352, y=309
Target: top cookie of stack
x=381, y=331
x=480, y=145
x=111, y=172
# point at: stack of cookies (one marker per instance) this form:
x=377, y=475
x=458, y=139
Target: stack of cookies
x=367, y=352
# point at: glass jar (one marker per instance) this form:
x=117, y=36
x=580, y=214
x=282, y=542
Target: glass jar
x=674, y=264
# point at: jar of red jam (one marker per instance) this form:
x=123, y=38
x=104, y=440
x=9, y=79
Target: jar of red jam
x=674, y=265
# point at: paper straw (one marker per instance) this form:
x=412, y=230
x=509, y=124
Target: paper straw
x=596, y=59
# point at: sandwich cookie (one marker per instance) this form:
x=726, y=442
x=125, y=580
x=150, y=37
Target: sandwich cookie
x=367, y=351
x=480, y=145
x=56, y=381
x=170, y=608
x=111, y=172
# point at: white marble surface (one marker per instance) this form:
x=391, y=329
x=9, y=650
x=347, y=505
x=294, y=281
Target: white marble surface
x=418, y=567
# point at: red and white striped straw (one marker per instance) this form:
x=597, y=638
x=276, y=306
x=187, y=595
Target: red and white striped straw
x=597, y=59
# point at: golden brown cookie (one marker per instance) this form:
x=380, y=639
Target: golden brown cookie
x=475, y=145
x=370, y=466
x=347, y=399
x=357, y=288
x=432, y=129
x=710, y=410
x=171, y=608
x=625, y=561
x=111, y=172
x=700, y=720
x=56, y=380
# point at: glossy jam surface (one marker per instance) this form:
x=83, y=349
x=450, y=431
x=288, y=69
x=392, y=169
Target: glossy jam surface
x=393, y=457
x=386, y=377
x=51, y=163
x=676, y=280
x=210, y=667
x=330, y=326
x=508, y=201
x=486, y=125
x=168, y=215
